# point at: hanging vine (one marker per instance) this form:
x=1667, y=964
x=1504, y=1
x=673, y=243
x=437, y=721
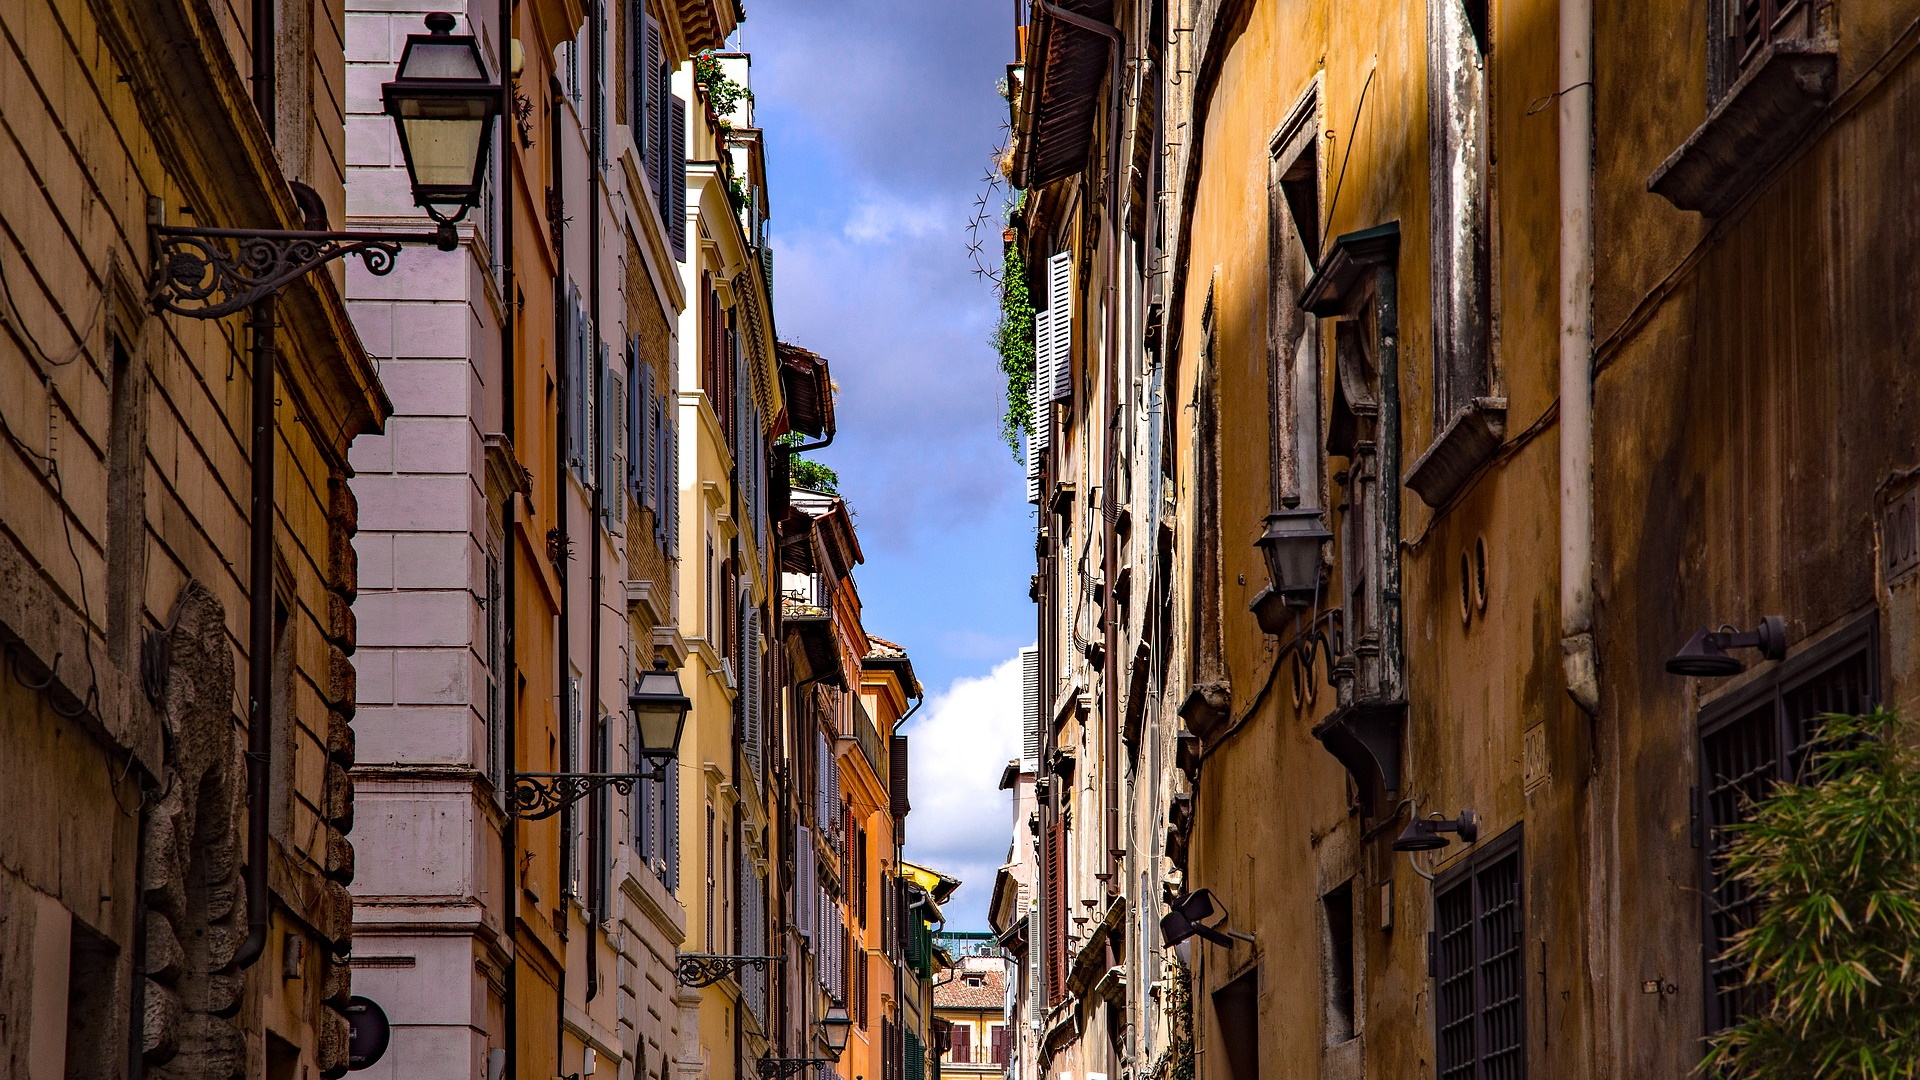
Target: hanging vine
x=992, y=220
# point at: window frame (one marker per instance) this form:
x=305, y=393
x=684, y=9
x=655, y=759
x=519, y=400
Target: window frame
x=1855, y=638
x=1465, y=873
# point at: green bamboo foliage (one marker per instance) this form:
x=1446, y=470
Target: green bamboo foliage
x=1838, y=860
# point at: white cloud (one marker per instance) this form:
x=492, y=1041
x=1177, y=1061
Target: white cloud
x=961, y=822
x=882, y=220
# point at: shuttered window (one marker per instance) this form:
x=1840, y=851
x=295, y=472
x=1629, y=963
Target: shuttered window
x=1478, y=953
x=1749, y=743
x=1030, y=709
x=676, y=180
x=999, y=1036
x=1054, y=890
x=897, y=760
x=960, y=1043
x=1752, y=25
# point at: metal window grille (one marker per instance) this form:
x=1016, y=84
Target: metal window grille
x=1748, y=744
x=1478, y=953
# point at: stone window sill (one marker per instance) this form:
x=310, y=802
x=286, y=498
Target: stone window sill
x=1470, y=440
x=1756, y=125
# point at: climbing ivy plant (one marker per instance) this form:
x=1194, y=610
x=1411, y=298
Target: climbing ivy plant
x=1013, y=340
x=1836, y=942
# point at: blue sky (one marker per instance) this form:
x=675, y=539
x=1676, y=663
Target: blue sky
x=881, y=117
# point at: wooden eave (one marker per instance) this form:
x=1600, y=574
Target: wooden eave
x=808, y=389
x=1065, y=66
x=706, y=24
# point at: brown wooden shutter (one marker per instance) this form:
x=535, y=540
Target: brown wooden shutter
x=999, y=1044
x=897, y=778
x=960, y=1039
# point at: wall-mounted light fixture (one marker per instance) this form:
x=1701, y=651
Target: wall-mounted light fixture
x=1704, y=656
x=1423, y=834
x=1196, y=915
x=1291, y=546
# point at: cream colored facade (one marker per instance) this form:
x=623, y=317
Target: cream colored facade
x=128, y=945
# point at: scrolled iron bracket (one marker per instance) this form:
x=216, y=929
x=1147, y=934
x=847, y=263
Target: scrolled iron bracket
x=542, y=795
x=212, y=273
x=773, y=1068
x=705, y=969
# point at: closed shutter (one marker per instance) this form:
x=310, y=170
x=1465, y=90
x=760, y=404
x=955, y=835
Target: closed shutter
x=677, y=178
x=671, y=430
x=1053, y=874
x=897, y=778
x=960, y=1043
x=750, y=679
x=671, y=826
x=999, y=1044
x=639, y=399
x=613, y=493
x=570, y=371
x=1036, y=965
x=1030, y=718
x=1060, y=303
x=655, y=116
x=803, y=886
x=1040, y=436
x=916, y=1064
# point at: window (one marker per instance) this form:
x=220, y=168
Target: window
x=1236, y=1009
x=572, y=731
x=1458, y=130
x=1749, y=26
x=1293, y=354
x=91, y=998
x=998, y=1035
x=1748, y=742
x=1337, y=916
x=1478, y=945
x=961, y=1042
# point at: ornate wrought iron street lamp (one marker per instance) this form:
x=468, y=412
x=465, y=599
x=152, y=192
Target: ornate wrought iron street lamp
x=833, y=1031
x=659, y=709
x=444, y=107
x=1291, y=545
x=210, y=273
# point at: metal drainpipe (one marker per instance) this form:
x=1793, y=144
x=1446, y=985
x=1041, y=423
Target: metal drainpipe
x=509, y=830
x=259, y=635
x=555, y=104
x=597, y=802
x=260, y=549
x=1578, y=660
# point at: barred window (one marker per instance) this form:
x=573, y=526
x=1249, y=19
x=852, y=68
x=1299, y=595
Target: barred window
x=1478, y=966
x=1750, y=741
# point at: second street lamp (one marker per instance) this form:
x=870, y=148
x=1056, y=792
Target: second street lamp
x=659, y=708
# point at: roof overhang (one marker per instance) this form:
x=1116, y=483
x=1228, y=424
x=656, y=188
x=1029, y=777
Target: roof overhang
x=808, y=387
x=1068, y=47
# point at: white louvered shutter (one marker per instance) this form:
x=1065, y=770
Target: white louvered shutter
x=1060, y=303
x=1036, y=966
x=1030, y=709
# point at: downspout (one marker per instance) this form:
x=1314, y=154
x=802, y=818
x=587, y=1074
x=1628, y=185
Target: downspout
x=597, y=802
x=557, y=167
x=1577, y=654
x=259, y=634
x=260, y=551
x=510, y=828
